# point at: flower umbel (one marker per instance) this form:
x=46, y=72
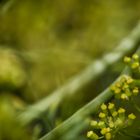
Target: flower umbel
x=125, y=88
x=110, y=122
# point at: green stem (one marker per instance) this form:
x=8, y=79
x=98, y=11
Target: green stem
x=135, y=105
x=131, y=134
x=79, y=118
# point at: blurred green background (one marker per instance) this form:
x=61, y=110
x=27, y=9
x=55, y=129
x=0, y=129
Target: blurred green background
x=44, y=43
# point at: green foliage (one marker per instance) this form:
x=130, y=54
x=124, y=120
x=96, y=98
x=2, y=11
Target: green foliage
x=10, y=127
x=43, y=44
x=12, y=74
x=72, y=29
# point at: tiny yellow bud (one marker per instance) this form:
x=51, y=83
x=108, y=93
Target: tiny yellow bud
x=93, y=123
x=101, y=124
x=108, y=136
x=118, y=85
x=130, y=80
x=117, y=91
x=135, y=65
x=121, y=110
x=125, y=86
x=111, y=124
x=103, y=107
x=131, y=116
x=127, y=59
x=111, y=106
x=115, y=113
x=102, y=115
x=92, y=135
x=89, y=134
x=103, y=131
x=124, y=96
x=108, y=129
x=135, y=91
x=118, y=122
x=135, y=57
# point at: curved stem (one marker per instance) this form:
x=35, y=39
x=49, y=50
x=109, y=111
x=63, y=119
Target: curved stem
x=131, y=134
x=79, y=118
x=137, y=107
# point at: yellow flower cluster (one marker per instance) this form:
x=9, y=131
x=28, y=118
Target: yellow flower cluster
x=110, y=121
x=133, y=62
x=125, y=88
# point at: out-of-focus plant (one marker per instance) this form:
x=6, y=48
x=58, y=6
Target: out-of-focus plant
x=12, y=74
x=10, y=127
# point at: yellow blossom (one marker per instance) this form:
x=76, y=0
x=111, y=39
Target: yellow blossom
x=121, y=110
x=117, y=90
x=102, y=115
x=135, y=57
x=111, y=106
x=103, y=107
x=124, y=96
x=129, y=80
x=135, y=91
x=101, y=124
x=115, y=113
x=108, y=136
x=127, y=59
x=92, y=135
x=93, y=123
x=111, y=124
x=135, y=65
x=131, y=116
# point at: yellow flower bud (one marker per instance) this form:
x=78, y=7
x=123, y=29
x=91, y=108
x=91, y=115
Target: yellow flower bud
x=89, y=134
x=93, y=123
x=124, y=96
x=118, y=122
x=118, y=85
x=121, y=110
x=101, y=124
x=108, y=129
x=135, y=57
x=103, y=107
x=103, y=131
x=117, y=91
x=115, y=113
x=135, y=65
x=131, y=116
x=111, y=124
x=130, y=80
x=127, y=59
x=135, y=91
x=102, y=115
x=92, y=135
x=125, y=86
x=108, y=136
x=111, y=106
